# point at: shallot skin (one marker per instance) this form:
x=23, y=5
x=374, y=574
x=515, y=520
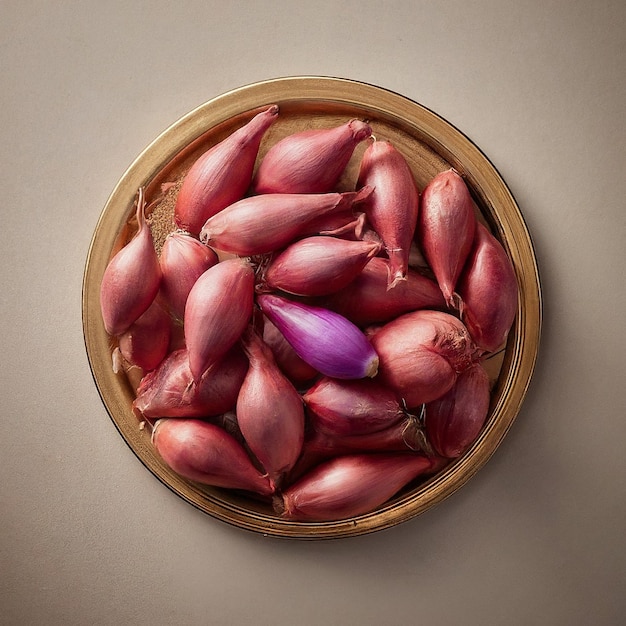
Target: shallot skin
x=310, y=161
x=268, y=222
x=351, y=407
x=206, y=453
x=393, y=207
x=131, y=279
x=454, y=421
x=445, y=230
x=222, y=175
x=366, y=299
x=167, y=391
x=403, y=436
x=320, y=265
x=349, y=485
x=183, y=260
x=489, y=292
x=218, y=310
x=421, y=354
x=270, y=412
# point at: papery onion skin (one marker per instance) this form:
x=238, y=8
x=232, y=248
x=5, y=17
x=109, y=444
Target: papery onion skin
x=349, y=485
x=222, y=175
x=330, y=343
x=489, y=292
x=168, y=391
x=268, y=222
x=454, y=421
x=206, y=453
x=366, y=300
x=309, y=161
x=445, y=230
x=287, y=359
x=183, y=260
x=269, y=411
x=351, y=407
x=218, y=310
x=316, y=266
x=421, y=354
x=147, y=340
x=131, y=279
x=347, y=224
x=393, y=207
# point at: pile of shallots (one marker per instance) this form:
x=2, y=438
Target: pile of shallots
x=288, y=348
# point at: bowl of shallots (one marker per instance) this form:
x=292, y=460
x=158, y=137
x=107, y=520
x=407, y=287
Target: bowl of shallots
x=312, y=308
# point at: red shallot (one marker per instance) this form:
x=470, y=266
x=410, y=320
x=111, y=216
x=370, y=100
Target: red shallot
x=218, y=310
x=310, y=161
x=222, y=175
x=454, y=421
x=403, y=436
x=393, y=206
x=147, y=340
x=445, y=230
x=131, y=279
x=421, y=354
x=265, y=223
x=349, y=485
x=168, y=391
x=270, y=412
x=351, y=407
x=330, y=343
x=317, y=266
x=206, y=453
x=366, y=300
x=488, y=290
x=183, y=259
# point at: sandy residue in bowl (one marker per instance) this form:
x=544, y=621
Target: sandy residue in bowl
x=161, y=217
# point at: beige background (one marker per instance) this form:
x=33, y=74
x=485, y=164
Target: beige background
x=89, y=536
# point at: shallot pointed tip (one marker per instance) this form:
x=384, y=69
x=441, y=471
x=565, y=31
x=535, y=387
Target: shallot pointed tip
x=361, y=130
x=276, y=481
x=360, y=226
x=458, y=303
x=454, y=301
x=363, y=194
x=395, y=280
x=397, y=268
